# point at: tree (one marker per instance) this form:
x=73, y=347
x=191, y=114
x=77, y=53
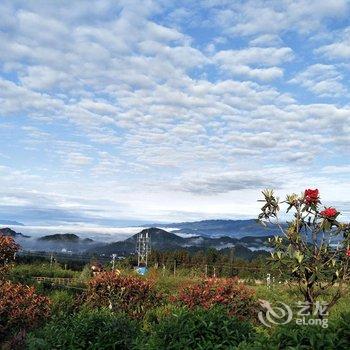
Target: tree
x=313, y=248
x=8, y=249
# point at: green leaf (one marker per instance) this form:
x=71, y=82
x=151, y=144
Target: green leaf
x=298, y=256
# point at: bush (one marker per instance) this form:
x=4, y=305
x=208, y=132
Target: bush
x=88, y=329
x=63, y=302
x=342, y=331
x=8, y=249
x=132, y=295
x=85, y=275
x=155, y=315
x=292, y=336
x=237, y=299
x=196, y=329
x=20, y=308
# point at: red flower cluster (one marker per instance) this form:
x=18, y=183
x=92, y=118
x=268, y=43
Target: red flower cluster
x=348, y=252
x=311, y=196
x=329, y=213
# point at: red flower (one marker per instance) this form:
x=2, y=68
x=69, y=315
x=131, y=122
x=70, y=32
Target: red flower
x=311, y=196
x=348, y=252
x=329, y=213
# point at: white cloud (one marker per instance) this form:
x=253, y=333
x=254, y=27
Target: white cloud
x=15, y=98
x=339, y=49
x=230, y=181
x=45, y=78
x=77, y=159
x=266, y=40
x=254, y=62
x=322, y=80
x=263, y=56
x=256, y=17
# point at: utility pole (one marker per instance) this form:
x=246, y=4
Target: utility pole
x=214, y=273
x=174, y=267
x=113, y=261
x=143, y=248
x=206, y=271
x=51, y=260
x=232, y=255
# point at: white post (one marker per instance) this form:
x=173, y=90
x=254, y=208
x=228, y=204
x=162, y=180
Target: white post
x=113, y=261
x=268, y=280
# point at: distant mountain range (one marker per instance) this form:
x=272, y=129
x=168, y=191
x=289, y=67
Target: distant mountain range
x=246, y=237
x=162, y=240
x=10, y=223
x=214, y=228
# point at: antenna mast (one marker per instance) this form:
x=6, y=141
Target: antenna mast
x=143, y=248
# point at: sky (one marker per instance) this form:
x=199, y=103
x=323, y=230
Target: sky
x=124, y=112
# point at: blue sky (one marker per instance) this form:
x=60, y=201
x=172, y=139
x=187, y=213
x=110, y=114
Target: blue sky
x=116, y=111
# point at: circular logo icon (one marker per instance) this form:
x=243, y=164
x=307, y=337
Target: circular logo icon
x=281, y=314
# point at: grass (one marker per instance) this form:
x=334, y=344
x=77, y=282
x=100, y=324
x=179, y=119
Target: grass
x=23, y=271
x=168, y=284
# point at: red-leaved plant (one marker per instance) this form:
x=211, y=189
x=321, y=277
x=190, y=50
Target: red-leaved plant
x=313, y=247
x=20, y=308
x=8, y=249
x=237, y=298
x=129, y=294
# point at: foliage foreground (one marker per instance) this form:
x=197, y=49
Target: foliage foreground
x=196, y=316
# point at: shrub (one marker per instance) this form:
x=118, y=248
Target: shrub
x=132, y=295
x=85, y=274
x=342, y=331
x=197, y=329
x=155, y=315
x=88, y=329
x=293, y=336
x=20, y=308
x=8, y=249
x=63, y=302
x=238, y=299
